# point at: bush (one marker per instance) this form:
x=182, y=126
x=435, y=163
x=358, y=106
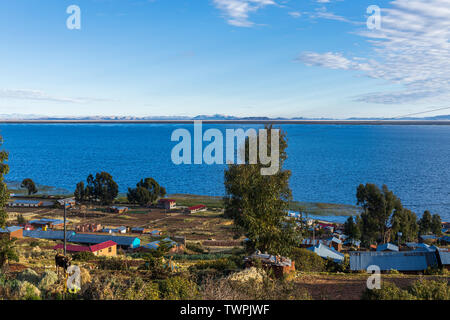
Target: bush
x=84, y=256
x=419, y=290
x=388, y=291
x=430, y=290
x=29, y=275
x=308, y=261
x=156, y=266
x=178, y=288
x=112, y=264
x=196, y=247
x=221, y=265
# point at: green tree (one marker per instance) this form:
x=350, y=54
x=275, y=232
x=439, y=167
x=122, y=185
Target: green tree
x=258, y=203
x=425, y=223
x=21, y=219
x=80, y=192
x=147, y=191
x=378, y=206
x=105, y=188
x=29, y=185
x=352, y=229
x=436, y=225
x=4, y=193
x=404, y=221
x=101, y=189
x=7, y=250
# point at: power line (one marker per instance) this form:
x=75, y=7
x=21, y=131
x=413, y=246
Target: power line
x=416, y=113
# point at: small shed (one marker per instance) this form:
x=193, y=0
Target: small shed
x=444, y=258
x=14, y=232
x=25, y=203
x=167, y=203
x=388, y=247
x=279, y=265
x=195, y=209
x=106, y=249
x=328, y=253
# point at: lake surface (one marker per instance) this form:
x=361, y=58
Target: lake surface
x=327, y=162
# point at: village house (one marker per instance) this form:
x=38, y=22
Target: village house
x=104, y=249
x=327, y=252
x=47, y=223
x=403, y=261
x=118, y=210
x=196, y=209
x=70, y=202
x=25, y=203
x=121, y=229
x=444, y=258
x=11, y=233
x=124, y=242
x=167, y=204
x=388, y=247
x=279, y=265
x=90, y=227
x=174, y=246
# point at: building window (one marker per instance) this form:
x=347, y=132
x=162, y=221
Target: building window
x=110, y=249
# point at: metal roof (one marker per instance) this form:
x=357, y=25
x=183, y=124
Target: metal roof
x=387, y=247
x=401, y=261
x=327, y=252
x=428, y=236
x=445, y=238
x=46, y=221
x=444, y=256
x=353, y=242
x=27, y=201
x=334, y=239
x=50, y=235
x=132, y=242
x=10, y=229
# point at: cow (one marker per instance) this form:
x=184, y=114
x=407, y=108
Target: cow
x=62, y=261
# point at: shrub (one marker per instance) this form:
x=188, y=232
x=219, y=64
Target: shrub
x=196, y=247
x=388, y=291
x=430, y=290
x=84, y=256
x=112, y=264
x=178, y=288
x=222, y=265
x=306, y=260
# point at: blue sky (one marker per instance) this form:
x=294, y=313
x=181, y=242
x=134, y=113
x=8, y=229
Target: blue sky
x=311, y=58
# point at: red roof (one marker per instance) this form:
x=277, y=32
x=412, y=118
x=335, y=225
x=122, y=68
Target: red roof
x=94, y=248
x=166, y=200
x=200, y=206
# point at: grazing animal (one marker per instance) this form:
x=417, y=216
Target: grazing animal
x=62, y=261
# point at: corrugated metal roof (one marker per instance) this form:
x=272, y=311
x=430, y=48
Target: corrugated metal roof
x=401, y=261
x=445, y=238
x=50, y=235
x=353, y=242
x=387, y=247
x=334, y=239
x=444, y=256
x=10, y=229
x=428, y=237
x=327, y=252
x=132, y=242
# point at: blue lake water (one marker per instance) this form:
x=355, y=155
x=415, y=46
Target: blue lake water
x=328, y=162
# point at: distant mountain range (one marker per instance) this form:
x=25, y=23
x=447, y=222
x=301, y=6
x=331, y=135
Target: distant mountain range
x=18, y=117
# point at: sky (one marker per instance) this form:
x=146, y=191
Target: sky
x=276, y=58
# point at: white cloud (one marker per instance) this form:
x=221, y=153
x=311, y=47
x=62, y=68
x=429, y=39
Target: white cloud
x=37, y=95
x=237, y=11
x=411, y=49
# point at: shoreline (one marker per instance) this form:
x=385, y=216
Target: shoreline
x=262, y=121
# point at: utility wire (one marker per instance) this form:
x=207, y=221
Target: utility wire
x=413, y=114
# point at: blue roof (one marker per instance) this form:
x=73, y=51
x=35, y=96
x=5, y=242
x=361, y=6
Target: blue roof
x=155, y=244
x=27, y=201
x=46, y=221
x=132, y=242
x=428, y=236
x=401, y=261
x=445, y=238
x=387, y=247
x=10, y=229
x=327, y=252
x=353, y=242
x=334, y=239
x=444, y=256
x=50, y=235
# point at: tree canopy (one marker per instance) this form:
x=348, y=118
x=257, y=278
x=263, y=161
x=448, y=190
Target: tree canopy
x=147, y=191
x=4, y=193
x=29, y=185
x=259, y=203
x=102, y=188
